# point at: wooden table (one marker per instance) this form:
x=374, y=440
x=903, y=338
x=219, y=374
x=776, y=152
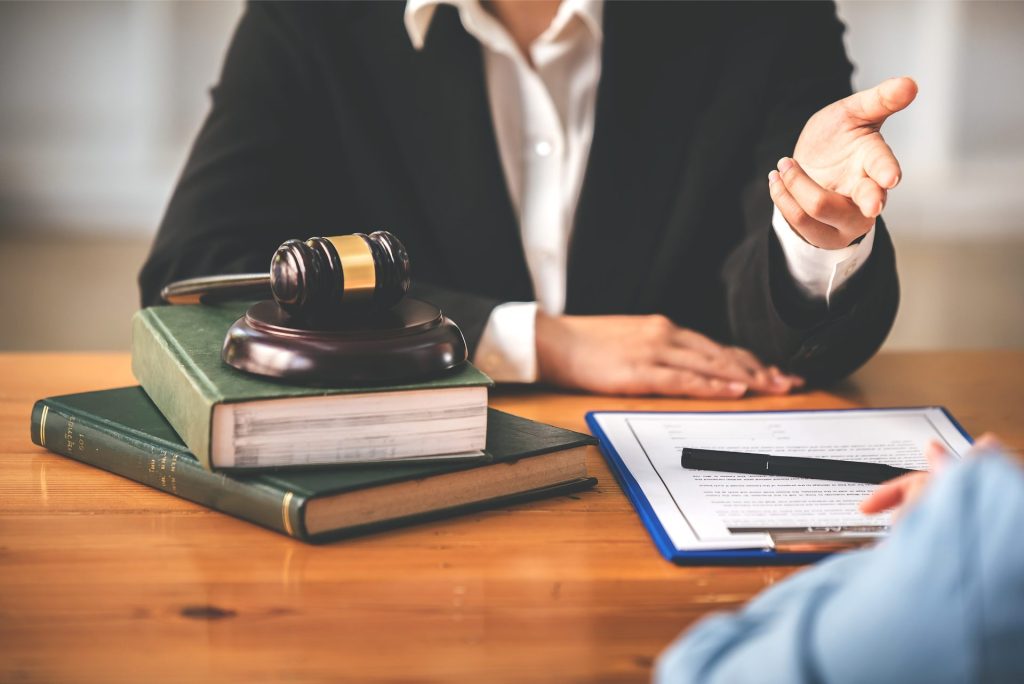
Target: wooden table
x=105, y=580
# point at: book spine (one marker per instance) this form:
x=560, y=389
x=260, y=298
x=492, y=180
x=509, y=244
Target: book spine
x=173, y=383
x=100, y=444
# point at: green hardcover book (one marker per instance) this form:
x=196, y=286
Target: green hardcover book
x=123, y=432
x=230, y=419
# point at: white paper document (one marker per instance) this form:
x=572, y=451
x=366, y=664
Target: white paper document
x=705, y=510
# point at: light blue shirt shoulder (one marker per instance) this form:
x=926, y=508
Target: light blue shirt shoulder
x=942, y=600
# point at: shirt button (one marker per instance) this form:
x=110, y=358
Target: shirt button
x=850, y=269
x=543, y=148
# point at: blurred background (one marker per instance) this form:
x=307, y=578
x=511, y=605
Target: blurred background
x=100, y=101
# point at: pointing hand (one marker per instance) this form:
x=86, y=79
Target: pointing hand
x=836, y=183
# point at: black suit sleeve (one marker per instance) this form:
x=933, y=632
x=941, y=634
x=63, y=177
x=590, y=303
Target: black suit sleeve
x=767, y=313
x=260, y=173
x=252, y=175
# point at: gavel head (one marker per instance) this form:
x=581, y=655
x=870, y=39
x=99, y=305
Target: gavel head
x=324, y=275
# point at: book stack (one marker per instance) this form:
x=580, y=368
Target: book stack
x=312, y=462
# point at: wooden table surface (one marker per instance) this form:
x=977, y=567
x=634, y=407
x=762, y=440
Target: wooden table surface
x=103, y=579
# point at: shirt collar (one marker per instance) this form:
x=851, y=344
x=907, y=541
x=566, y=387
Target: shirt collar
x=420, y=13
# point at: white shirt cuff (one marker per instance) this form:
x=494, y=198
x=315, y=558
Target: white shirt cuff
x=820, y=273
x=507, y=350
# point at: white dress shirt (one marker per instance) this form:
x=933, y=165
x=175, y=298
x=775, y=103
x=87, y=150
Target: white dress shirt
x=543, y=111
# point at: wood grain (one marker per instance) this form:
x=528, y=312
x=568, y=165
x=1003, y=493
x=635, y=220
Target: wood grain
x=105, y=580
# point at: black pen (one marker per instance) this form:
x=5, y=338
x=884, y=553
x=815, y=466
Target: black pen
x=791, y=466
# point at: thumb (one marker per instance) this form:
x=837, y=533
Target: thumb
x=875, y=105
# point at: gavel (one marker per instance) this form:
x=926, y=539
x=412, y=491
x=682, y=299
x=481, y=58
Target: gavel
x=314, y=278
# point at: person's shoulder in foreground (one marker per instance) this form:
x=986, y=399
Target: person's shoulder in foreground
x=942, y=600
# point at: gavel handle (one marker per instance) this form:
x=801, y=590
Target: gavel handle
x=208, y=289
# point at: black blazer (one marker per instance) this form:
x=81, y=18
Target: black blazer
x=327, y=121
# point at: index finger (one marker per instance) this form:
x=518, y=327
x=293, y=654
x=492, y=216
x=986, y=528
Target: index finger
x=889, y=494
x=875, y=105
x=988, y=441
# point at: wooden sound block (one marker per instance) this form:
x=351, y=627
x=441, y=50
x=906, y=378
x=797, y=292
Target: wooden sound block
x=410, y=342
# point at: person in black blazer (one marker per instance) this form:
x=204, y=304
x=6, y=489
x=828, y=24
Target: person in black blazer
x=328, y=119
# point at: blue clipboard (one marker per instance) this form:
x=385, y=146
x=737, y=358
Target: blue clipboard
x=717, y=557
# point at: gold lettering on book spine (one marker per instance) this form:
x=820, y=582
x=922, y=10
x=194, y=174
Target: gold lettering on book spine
x=42, y=426
x=69, y=435
x=360, y=272
x=286, y=513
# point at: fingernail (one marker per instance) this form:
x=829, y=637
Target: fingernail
x=785, y=164
x=737, y=387
x=773, y=177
